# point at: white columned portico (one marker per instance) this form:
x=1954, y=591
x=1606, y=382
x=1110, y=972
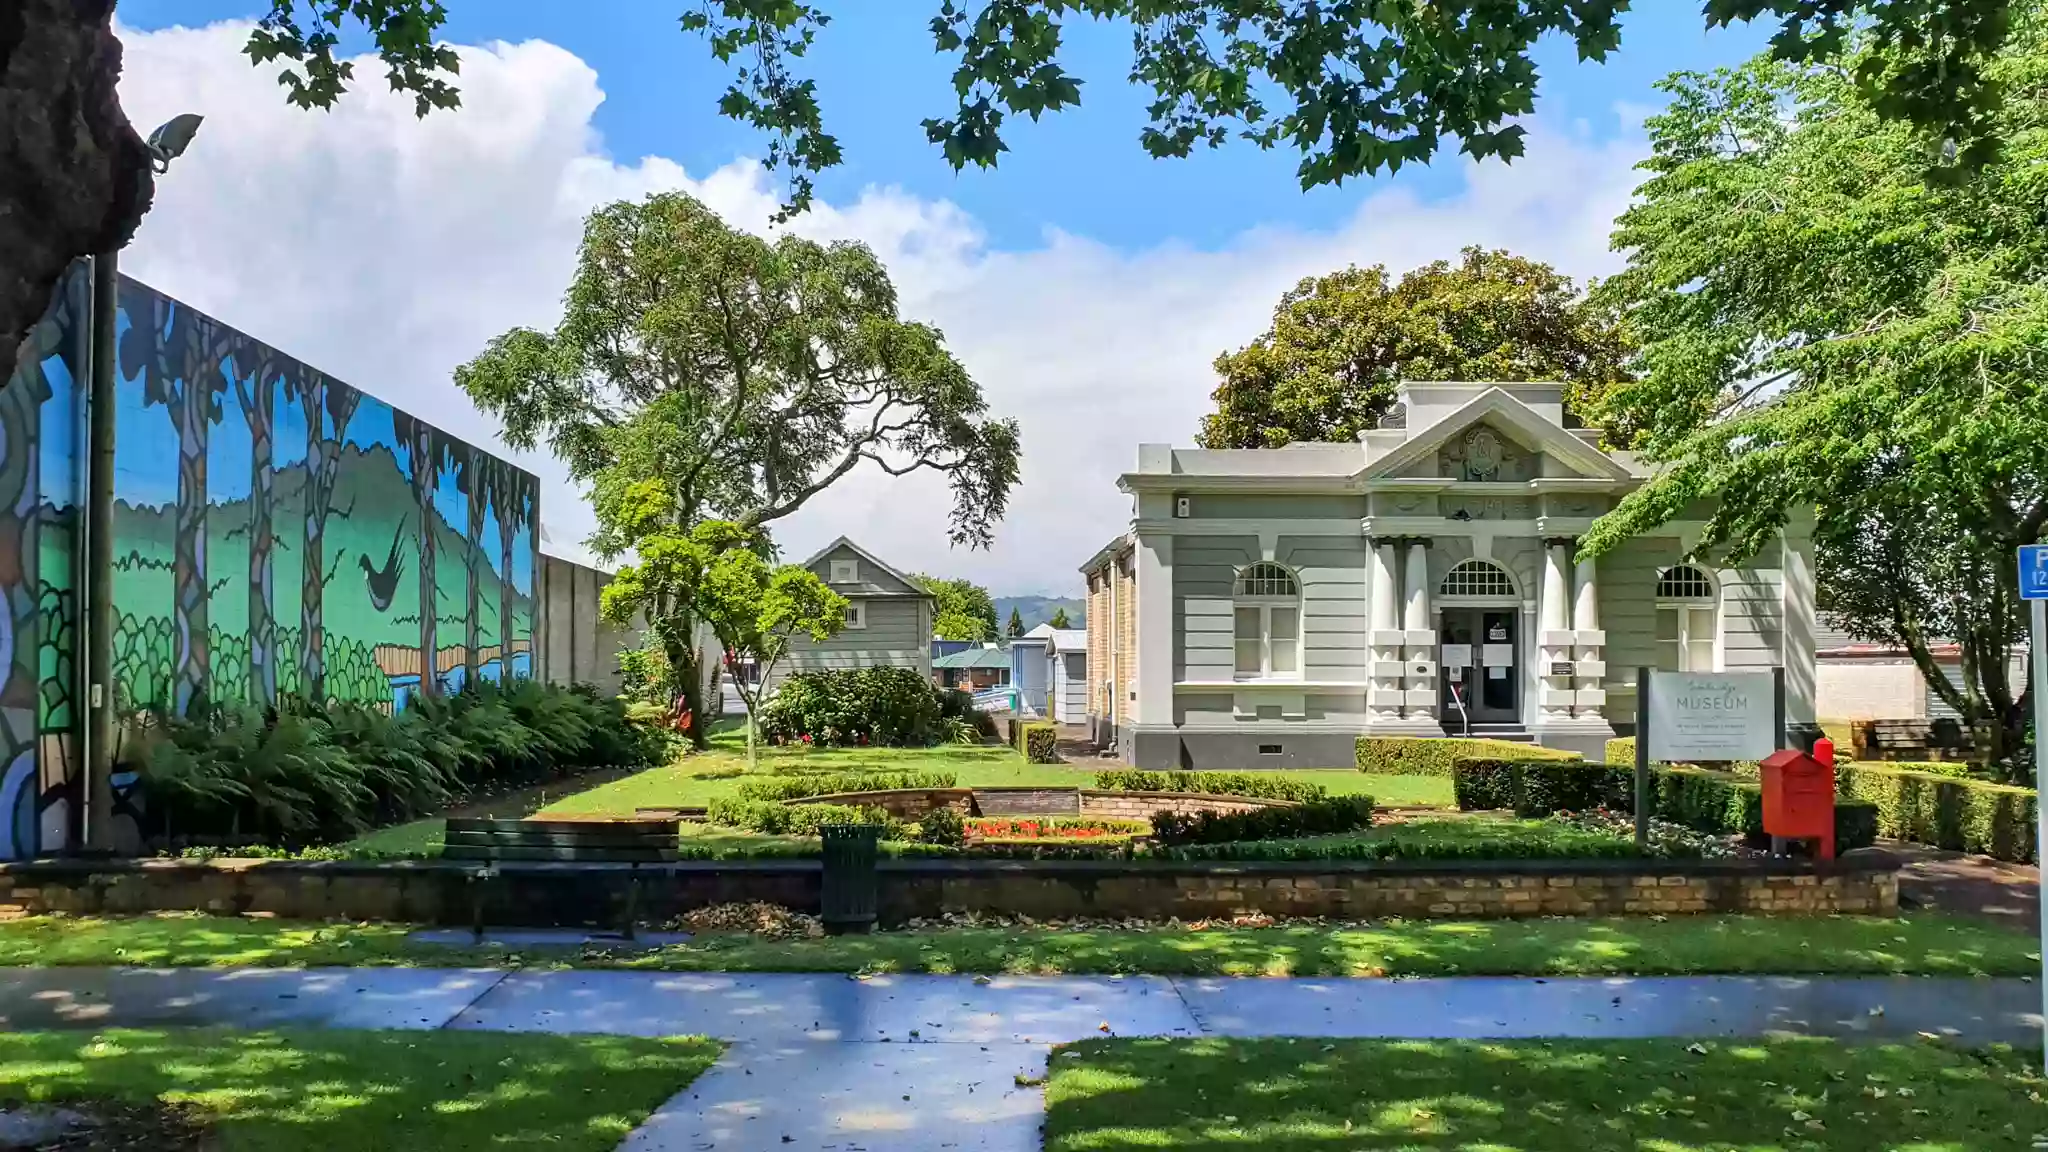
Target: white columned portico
x=1418, y=637
x=1384, y=690
x=1154, y=673
x=1554, y=636
x=1589, y=700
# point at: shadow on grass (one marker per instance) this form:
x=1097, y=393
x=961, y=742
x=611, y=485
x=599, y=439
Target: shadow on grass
x=1295, y=1095
x=370, y=1091
x=1682, y=946
x=1845, y=945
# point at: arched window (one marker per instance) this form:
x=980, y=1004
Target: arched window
x=1477, y=578
x=1267, y=603
x=1686, y=607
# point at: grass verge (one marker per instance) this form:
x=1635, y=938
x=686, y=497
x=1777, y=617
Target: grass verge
x=1537, y=1096
x=1850, y=945
x=342, y=1091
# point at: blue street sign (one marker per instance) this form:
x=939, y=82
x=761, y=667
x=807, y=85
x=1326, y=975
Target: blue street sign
x=2034, y=571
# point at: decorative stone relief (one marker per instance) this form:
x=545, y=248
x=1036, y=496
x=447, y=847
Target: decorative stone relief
x=1482, y=454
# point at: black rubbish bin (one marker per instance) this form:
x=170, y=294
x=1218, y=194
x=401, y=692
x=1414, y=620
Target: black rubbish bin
x=847, y=893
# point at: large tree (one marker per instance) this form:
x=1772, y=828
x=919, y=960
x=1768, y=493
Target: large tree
x=721, y=571
x=1821, y=327
x=1356, y=88
x=1327, y=368
x=962, y=609
x=748, y=374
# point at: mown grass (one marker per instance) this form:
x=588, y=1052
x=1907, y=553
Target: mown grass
x=1689, y=945
x=344, y=1091
x=694, y=781
x=1218, y=1095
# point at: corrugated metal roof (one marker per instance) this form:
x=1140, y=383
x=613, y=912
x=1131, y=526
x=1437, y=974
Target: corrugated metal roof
x=1070, y=640
x=974, y=658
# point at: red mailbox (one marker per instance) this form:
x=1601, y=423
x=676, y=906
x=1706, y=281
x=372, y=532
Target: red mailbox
x=1799, y=799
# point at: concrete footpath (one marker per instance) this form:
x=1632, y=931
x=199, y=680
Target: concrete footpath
x=923, y=1063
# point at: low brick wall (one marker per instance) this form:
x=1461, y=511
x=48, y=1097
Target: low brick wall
x=439, y=892
x=913, y=803
x=1101, y=804
x=902, y=803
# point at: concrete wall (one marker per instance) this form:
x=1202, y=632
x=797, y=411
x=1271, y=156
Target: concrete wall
x=575, y=646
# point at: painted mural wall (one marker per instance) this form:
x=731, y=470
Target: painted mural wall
x=278, y=534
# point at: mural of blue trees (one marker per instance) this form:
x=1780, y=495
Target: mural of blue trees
x=277, y=533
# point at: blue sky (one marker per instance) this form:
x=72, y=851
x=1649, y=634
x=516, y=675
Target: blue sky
x=1086, y=287
x=1081, y=171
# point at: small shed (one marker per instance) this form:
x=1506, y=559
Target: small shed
x=1030, y=675
x=1066, y=651
x=975, y=669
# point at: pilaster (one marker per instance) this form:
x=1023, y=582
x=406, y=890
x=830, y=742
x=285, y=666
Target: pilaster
x=1154, y=671
x=1418, y=639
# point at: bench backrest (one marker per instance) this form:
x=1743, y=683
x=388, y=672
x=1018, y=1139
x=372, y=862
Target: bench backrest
x=606, y=841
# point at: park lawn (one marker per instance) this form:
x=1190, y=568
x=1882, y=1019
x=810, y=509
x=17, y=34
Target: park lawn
x=694, y=781
x=345, y=1091
x=1213, y=1095
x=1927, y=944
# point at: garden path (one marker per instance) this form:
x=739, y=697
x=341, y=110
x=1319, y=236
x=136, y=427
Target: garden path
x=922, y=1063
x=2008, y=894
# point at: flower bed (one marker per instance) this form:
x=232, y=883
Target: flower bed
x=1027, y=828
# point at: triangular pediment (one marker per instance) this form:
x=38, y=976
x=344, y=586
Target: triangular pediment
x=1509, y=419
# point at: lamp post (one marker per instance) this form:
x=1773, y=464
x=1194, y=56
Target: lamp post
x=96, y=813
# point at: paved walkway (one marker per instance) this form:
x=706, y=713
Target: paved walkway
x=2008, y=894
x=924, y=1063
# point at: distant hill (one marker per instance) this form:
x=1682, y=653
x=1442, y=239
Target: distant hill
x=1037, y=610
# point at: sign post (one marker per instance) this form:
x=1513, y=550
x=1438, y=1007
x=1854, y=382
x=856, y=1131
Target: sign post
x=2034, y=590
x=1690, y=717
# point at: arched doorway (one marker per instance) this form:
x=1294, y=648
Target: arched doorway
x=1479, y=645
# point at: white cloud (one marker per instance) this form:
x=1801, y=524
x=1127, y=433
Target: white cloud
x=388, y=249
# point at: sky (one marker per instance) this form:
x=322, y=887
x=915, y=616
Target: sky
x=1084, y=285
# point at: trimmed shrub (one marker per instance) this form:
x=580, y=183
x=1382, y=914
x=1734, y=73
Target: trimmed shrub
x=942, y=825
x=772, y=788
x=1537, y=787
x=1040, y=741
x=1532, y=840
x=892, y=707
x=1257, y=785
x=1316, y=817
x=1435, y=756
x=1713, y=803
x=1996, y=820
x=793, y=819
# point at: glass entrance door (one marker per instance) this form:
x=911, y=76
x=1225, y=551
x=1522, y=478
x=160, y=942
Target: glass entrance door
x=1477, y=653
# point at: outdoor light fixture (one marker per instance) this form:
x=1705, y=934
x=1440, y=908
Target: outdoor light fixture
x=170, y=140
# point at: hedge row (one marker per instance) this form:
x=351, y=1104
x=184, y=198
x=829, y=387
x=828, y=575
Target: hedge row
x=1314, y=818
x=1038, y=740
x=1257, y=785
x=1435, y=756
x=1716, y=803
x=1622, y=750
x=1548, y=841
x=832, y=783
x=789, y=819
x=1996, y=820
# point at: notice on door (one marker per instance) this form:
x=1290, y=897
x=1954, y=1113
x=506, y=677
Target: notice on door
x=1711, y=716
x=1497, y=655
x=1457, y=655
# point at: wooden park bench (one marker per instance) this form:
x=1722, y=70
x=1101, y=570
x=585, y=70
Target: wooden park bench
x=1938, y=739
x=492, y=842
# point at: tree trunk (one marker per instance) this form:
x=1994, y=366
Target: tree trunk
x=423, y=484
x=74, y=175
x=323, y=402
x=473, y=530
x=191, y=413
x=683, y=658
x=257, y=409
x=501, y=507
